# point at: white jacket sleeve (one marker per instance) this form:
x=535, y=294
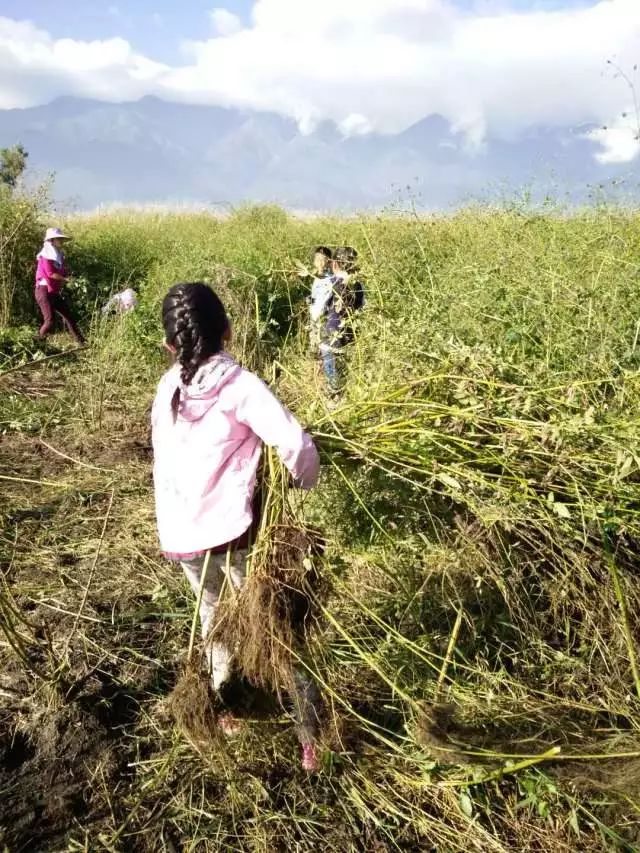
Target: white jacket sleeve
x=320, y=293
x=263, y=413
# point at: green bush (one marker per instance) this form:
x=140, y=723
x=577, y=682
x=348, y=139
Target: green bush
x=17, y=346
x=21, y=229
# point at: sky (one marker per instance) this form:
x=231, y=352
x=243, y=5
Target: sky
x=489, y=67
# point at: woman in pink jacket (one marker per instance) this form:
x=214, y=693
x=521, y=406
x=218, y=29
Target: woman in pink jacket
x=209, y=420
x=51, y=275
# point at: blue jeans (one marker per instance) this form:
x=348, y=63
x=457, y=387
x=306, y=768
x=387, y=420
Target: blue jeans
x=331, y=370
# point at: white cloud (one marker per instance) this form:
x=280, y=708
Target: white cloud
x=34, y=68
x=619, y=141
x=365, y=64
x=355, y=124
x=224, y=22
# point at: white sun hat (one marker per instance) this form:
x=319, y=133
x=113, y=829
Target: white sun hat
x=55, y=234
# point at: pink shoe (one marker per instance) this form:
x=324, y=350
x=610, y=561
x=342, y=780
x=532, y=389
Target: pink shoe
x=310, y=761
x=229, y=725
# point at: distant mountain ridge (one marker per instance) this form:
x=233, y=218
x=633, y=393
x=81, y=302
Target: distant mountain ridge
x=156, y=151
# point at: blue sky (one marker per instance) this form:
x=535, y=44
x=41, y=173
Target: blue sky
x=155, y=27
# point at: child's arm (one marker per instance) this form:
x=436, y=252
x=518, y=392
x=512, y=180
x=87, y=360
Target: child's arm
x=262, y=412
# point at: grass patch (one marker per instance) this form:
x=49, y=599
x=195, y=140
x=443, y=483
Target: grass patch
x=476, y=643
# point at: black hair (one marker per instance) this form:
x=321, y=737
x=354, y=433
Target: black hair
x=346, y=257
x=323, y=250
x=194, y=323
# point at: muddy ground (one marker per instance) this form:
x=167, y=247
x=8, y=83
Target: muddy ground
x=85, y=639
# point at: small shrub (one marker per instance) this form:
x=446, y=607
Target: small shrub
x=21, y=217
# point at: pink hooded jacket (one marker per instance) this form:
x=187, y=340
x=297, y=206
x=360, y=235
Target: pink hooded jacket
x=205, y=462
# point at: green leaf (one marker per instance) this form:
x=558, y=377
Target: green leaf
x=448, y=480
x=561, y=510
x=466, y=804
x=573, y=821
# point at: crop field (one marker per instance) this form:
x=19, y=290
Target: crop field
x=476, y=643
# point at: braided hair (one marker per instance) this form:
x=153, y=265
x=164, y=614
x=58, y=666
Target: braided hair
x=194, y=323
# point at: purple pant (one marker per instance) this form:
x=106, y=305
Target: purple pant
x=51, y=304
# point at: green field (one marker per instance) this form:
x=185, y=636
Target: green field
x=480, y=498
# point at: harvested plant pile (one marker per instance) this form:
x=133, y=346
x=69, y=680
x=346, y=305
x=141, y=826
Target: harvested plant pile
x=269, y=620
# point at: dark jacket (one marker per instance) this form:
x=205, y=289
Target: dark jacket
x=346, y=298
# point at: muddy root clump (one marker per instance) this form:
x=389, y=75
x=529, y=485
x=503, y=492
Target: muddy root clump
x=276, y=609
x=192, y=707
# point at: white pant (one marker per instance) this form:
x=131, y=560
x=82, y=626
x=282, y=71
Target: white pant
x=218, y=576
x=306, y=699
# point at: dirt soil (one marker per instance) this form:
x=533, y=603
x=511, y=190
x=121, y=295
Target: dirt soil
x=65, y=749
x=66, y=734
x=48, y=777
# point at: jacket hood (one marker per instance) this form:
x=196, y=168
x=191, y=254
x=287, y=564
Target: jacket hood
x=202, y=392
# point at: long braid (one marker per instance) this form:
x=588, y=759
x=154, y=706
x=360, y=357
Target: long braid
x=194, y=321
x=186, y=338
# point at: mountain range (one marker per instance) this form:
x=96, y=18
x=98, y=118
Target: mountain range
x=153, y=151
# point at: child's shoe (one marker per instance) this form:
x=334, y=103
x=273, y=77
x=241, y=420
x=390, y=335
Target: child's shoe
x=229, y=725
x=310, y=761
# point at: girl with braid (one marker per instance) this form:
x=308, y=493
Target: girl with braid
x=209, y=419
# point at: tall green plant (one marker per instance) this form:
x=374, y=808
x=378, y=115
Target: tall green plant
x=13, y=162
x=21, y=227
